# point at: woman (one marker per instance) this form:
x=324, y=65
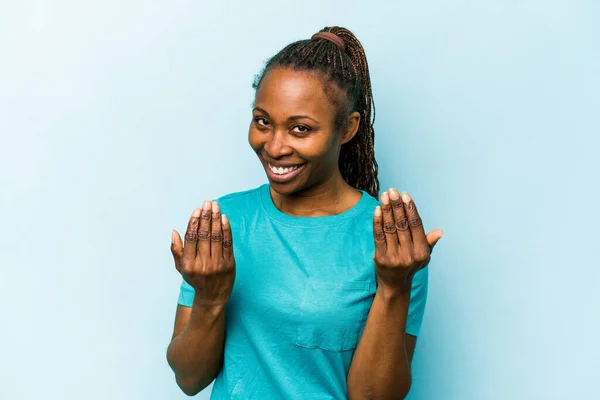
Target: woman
x=330, y=284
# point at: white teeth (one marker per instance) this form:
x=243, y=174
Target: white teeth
x=281, y=170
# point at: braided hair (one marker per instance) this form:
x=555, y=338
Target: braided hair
x=348, y=71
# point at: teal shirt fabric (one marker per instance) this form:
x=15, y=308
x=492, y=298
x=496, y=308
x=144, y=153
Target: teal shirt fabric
x=303, y=290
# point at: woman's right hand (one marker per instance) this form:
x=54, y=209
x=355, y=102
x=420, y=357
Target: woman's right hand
x=206, y=260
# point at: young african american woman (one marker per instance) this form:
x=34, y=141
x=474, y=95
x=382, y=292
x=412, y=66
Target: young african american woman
x=330, y=282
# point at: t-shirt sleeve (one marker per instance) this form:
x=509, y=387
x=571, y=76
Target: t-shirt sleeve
x=186, y=294
x=418, y=298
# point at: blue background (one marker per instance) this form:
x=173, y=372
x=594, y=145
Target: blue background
x=118, y=118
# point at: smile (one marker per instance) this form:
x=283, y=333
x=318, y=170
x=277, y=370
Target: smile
x=281, y=170
x=281, y=174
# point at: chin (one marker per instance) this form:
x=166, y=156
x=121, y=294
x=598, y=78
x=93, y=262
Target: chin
x=285, y=188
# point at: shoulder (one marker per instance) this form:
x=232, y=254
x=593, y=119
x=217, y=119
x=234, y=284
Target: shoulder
x=239, y=201
x=369, y=205
x=239, y=196
x=371, y=201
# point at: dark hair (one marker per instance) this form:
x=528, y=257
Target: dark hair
x=349, y=71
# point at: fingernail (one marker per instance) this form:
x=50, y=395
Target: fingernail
x=206, y=205
x=405, y=197
x=215, y=207
x=378, y=211
x=196, y=213
x=385, y=199
x=173, y=236
x=224, y=219
x=394, y=194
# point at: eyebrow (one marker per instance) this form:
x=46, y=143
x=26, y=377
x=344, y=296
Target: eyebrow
x=290, y=118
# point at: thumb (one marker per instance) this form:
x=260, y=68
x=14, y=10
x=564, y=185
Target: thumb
x=433, y=237
x=176, y=249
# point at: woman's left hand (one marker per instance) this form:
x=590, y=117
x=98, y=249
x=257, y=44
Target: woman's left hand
x=401, y=246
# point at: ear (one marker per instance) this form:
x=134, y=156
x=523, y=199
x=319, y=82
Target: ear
x=352, y=127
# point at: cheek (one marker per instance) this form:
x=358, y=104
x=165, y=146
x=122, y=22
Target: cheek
x=254, y=139
x=322, y=150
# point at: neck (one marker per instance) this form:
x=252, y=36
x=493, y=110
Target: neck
x=330, y=197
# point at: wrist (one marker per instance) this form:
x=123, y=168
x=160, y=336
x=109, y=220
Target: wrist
x=394, y=293
x=211, y=307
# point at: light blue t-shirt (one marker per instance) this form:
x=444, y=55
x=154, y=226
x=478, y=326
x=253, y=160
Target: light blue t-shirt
x=303, y=290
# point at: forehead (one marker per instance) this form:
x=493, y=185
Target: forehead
x=285, y=91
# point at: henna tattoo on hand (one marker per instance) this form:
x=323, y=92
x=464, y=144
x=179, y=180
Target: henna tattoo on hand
x=402, y=224
x=204, y=235
x=415, y=222
x=191, y=237
x=389, y=228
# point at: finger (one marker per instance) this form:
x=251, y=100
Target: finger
x=204, y=231
x=414, y=222
x=216, y=234
x=227, y=239
x=378, y=234
x=400, y=219
x=389, y=228
x=191, y=237
x=433, y=238
x=177, y=249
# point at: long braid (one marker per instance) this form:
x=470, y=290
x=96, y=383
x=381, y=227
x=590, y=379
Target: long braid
x=349, y=71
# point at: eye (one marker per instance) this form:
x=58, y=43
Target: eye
x=303, y=129
x=257, y=119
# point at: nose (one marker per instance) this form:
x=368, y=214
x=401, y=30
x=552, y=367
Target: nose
x=276, y=145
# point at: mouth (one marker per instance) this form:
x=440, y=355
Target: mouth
x=281, y=174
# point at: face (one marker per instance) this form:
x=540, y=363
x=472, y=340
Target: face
x=292, y=130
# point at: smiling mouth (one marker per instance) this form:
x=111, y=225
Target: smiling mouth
x=281, y=170
x=283, y=174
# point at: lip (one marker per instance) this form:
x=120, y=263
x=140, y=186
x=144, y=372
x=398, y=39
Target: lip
x=285, y=177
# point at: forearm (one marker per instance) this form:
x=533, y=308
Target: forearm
x=380, y=368
x=196, y=354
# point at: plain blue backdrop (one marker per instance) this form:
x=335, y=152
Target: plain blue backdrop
x=117, y=118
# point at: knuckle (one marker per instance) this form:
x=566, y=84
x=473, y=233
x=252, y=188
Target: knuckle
x=402, y=224
x=389, y=227
x=415, y=222
x=187, y=268
x=205, y=215
x=395, y=260
x=397, y=205
x=204, y=235
x=380, y=259
x=407, y=260
x=191, y=236
x=206, y=268
x=421, y=255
